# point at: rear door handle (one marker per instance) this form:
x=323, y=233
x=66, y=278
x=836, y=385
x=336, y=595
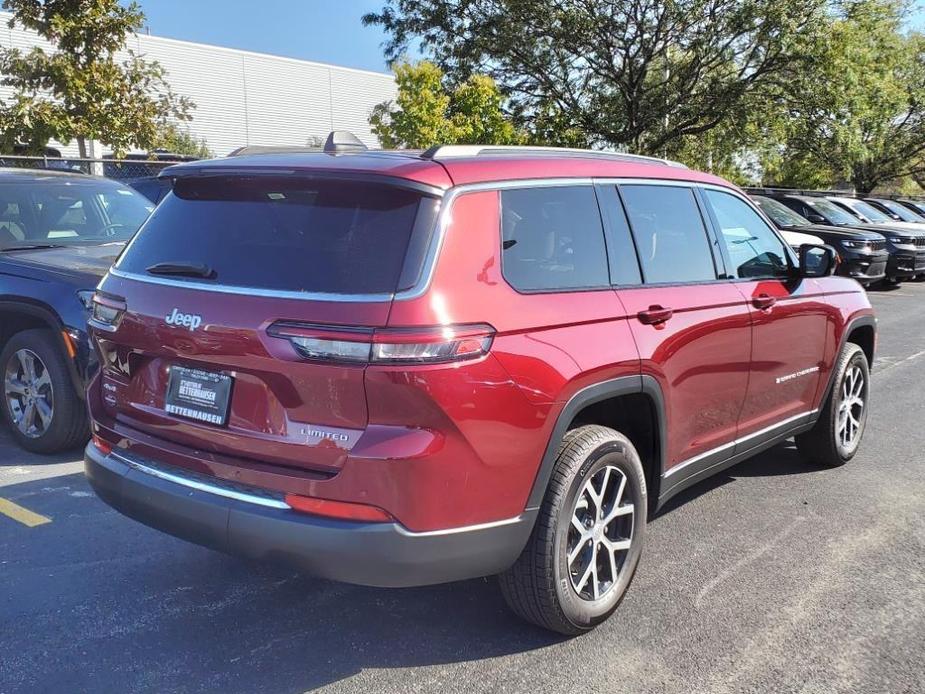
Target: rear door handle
x=655, y=315
x=763, y=301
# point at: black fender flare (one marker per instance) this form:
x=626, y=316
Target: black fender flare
x=850, y=326
x=46, y=315
x=623, y=385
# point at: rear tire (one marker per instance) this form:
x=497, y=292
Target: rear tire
x=40, y=406
x=836, y=436
x=587, y=540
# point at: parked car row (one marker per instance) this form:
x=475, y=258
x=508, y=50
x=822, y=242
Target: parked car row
x=405, y=368
x=877, y=239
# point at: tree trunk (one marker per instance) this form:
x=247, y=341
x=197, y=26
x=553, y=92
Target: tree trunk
x=82, y=147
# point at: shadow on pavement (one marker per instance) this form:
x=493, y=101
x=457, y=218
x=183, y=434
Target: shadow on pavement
x=110, y=604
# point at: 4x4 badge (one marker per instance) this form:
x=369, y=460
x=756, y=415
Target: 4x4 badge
x=185, y=320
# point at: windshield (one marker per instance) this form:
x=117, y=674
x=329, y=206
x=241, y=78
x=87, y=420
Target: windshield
x=779, y=213
x=68, y=213
x=834, y=213
x=286, y=234
x=869, y=211
x=901, y=211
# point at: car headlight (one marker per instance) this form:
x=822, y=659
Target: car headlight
x=855, y=244
x=896, y=239
x=86, y=298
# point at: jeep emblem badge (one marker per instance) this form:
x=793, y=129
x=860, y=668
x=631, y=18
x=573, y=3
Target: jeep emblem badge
x=185, y=320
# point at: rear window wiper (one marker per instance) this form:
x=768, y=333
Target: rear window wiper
x=30, y=246
x=182, y=269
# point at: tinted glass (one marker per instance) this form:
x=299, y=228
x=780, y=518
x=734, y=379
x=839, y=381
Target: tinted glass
x=754, y=249
x=624, y=265
x=69, y=213
x=669, y=232
x=834, y=213
x=868, y=211
x=285, y=234
x=780, y=213
x=552, y=238
x=901, y=211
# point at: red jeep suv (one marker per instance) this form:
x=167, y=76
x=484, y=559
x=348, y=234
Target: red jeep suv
x=404, y=368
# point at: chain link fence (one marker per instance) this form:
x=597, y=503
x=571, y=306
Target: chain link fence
x=118, y=169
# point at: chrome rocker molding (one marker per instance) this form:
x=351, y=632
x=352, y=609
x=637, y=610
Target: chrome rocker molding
x=707, y=464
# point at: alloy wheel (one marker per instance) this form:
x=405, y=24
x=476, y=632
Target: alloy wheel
x=29, y=393
x=600, y=534
x=851, y=408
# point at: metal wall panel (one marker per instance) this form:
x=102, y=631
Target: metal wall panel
x=250, y=98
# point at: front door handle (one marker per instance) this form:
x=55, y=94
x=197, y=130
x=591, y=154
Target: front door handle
x=655, y=315
x=763, y=301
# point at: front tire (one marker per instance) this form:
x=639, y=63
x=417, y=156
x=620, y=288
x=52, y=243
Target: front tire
x=587, y=540
x=836, y=436
x=40, y=406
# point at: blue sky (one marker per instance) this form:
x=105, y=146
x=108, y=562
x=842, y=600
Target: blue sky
x=328, y=31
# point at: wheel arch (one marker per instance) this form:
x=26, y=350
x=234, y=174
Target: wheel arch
x=18, y=314
x=606, y=403
x=862, y=331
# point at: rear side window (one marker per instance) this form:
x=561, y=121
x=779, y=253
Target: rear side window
x=552, y=239
x=288, y=234
x=670, y=236
x=754, y=249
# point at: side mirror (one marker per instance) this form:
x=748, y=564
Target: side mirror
x=817, y=261
x=815, y=218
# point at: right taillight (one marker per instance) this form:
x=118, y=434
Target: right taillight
x=106, y=311
x=431, y=345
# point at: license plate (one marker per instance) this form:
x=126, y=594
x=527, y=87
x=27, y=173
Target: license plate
x=199, y=395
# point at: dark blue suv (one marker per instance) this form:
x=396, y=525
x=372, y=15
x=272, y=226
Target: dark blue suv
x=59, y=233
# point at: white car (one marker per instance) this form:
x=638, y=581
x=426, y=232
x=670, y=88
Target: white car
x=795, y=239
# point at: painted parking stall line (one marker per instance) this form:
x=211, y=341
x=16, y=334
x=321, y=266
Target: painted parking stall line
x=21, y=514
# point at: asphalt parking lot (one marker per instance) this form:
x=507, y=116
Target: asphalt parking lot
x=771, y=577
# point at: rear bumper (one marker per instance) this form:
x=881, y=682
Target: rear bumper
x=375, y=554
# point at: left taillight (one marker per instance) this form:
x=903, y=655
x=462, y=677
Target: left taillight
x=106, y=311
x=430, y=345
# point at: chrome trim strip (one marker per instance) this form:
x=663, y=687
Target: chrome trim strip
x=463, y=528
x=738, y=441
x=201, y=486
x=252, y=291
x=105, y=327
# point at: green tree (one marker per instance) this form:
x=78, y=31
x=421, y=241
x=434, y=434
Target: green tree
x=176, y=140
x=858, y=116
x=638, y=75
x=81, y=90
x=426, y=113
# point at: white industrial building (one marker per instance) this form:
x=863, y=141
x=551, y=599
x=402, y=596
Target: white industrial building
x=244, y=98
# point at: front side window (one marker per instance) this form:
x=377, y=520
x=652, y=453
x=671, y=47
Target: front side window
x=552, y=239
x=754, y=249
x=670, y=235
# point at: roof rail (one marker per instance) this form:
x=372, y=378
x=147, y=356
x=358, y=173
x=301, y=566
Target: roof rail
x=758, y=190
x=454, y=151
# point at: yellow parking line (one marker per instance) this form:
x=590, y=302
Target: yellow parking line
x=23, y=515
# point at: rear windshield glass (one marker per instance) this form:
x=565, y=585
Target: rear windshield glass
x=286, y=234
